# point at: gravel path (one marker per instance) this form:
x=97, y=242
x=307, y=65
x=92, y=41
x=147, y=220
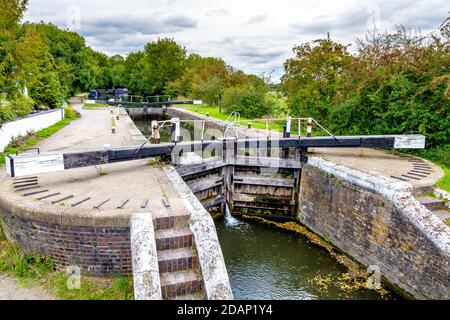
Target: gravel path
x=9, y=290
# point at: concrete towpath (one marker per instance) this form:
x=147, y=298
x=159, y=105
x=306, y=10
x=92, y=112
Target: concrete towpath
x=93, y=130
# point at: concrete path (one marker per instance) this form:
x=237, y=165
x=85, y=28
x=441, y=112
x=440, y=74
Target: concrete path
x=420, y=173
x=9, y=290
x=93, y=130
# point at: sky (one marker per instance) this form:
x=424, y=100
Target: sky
x=256, y=36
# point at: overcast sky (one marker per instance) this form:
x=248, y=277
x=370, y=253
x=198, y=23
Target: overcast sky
x=255, y=36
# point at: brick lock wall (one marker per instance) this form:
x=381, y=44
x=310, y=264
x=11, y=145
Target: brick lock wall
x=367, y=227
x=97, y=251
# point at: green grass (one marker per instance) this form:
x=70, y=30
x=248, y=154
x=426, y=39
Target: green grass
x=444, y=183
x=32, y=269
x=440, y=156
x=215, y=113
x=94, y=106
x=29, y=141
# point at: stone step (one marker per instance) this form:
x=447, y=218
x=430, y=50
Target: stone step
x=170, y=221
x=177, y=260
x=193, y=296
x=444, y=215
x=173, y=238
x=176, y=284
x=432, y=204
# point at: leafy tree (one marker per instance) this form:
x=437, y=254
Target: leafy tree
x=397, y=83
x=313, y=76
x=249, y=101
x=164, y=62
x=210, y=90
x=117, y=71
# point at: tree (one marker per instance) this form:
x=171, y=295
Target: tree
x=164, y=62
x=117, y=71
x=10, y=15
x=397, y=83
x=249, y=101
x=210, y=90
x=313, y=76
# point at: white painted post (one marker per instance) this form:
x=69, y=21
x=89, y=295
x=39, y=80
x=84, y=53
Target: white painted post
x=203, y=130
x=288, y=127
x=309, y=127
x=176, y=122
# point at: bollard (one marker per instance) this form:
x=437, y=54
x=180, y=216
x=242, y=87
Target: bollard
x=207, y=114
x=249, y=125
x=309, y=127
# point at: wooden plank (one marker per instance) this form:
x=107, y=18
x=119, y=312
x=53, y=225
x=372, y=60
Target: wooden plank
x=202, y=185
x=124, y=202
x=100, y=204
x=215, y=202
x=80, y=202
x=62, y=199
x=34, y=192
x=188, y=169
x=272, y=182
x=144, y=203
x=48, y=196
x=26, y=184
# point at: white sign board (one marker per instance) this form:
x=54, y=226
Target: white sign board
x=410, y=142
x=26, y=165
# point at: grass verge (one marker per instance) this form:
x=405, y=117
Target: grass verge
x=31, y=139
x=440, y=156
x=94, y=106
x=214, y=112
x=32, y=269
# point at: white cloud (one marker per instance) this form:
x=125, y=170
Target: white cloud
x=255, y=36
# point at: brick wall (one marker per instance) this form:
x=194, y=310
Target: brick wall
x=97, y=251
x=374, y=231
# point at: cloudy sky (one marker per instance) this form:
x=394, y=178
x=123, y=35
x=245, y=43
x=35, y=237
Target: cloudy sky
x=253, y=35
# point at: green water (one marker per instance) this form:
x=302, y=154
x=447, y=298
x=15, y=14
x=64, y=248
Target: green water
x=269, y=263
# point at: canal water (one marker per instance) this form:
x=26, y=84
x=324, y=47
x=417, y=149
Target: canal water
x=264, y=262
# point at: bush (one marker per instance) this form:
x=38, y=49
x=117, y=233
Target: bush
x=19, y=107
x=248, y=101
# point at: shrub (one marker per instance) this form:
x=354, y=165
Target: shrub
x=22, y=106
x=250, y=102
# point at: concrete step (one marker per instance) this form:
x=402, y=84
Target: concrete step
x=177, y=260
x=176, y=284
x=165, y=221
x=173, y=238
x=432, y=204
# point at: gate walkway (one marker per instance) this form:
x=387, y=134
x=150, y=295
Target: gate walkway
x=393, y=165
